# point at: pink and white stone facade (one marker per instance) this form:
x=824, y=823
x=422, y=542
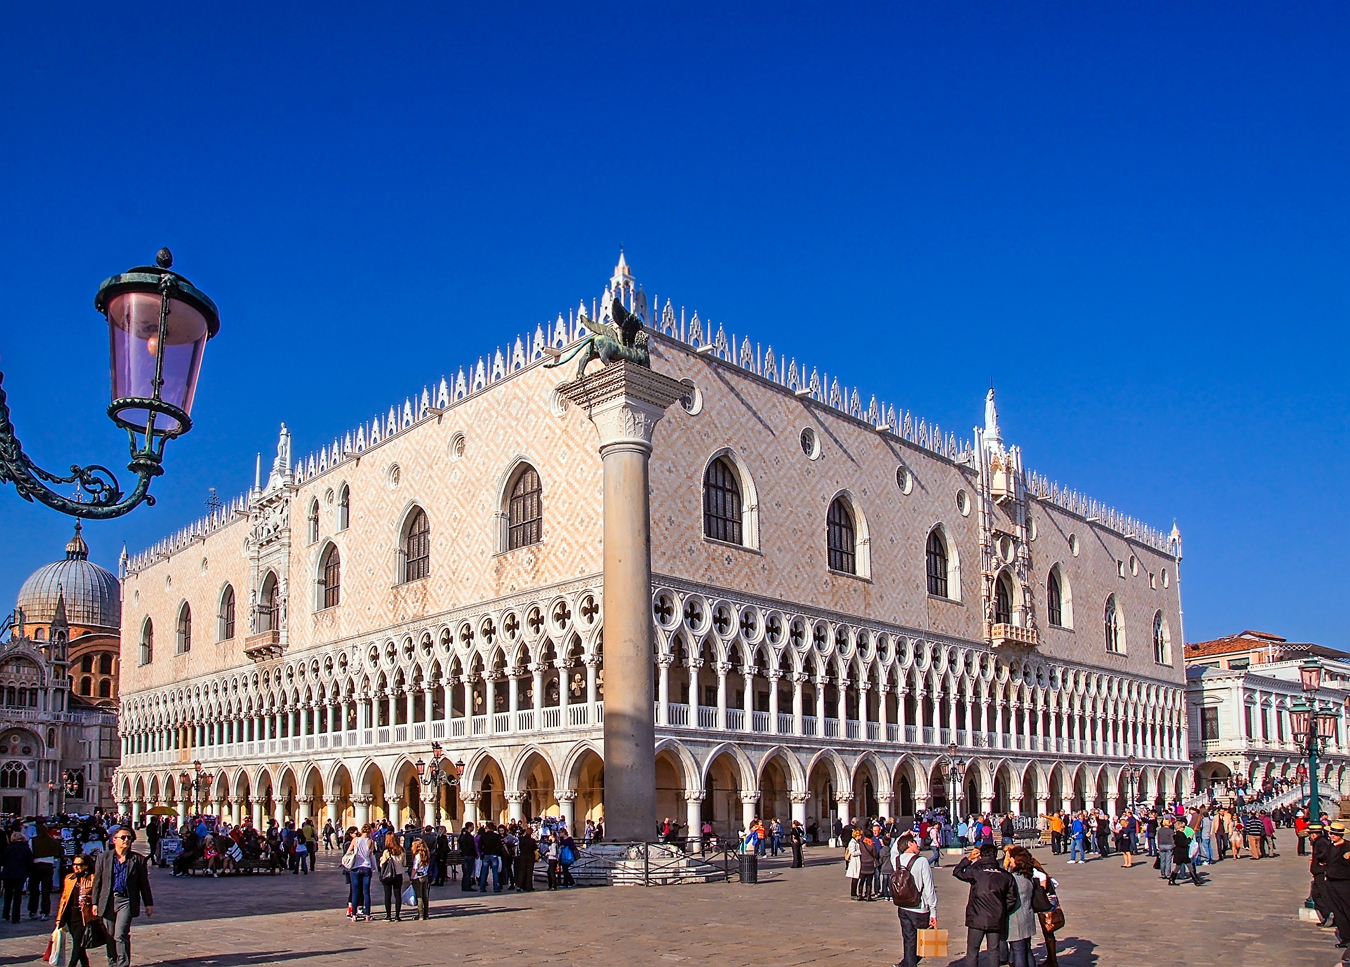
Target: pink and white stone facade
x=783, y=687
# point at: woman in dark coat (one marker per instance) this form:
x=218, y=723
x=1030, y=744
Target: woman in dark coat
x=525, y=860
x=17, y=866
x=867, y=867
x=1181, y=856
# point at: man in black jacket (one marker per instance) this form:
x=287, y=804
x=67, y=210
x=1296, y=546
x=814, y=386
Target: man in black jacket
x=993, y=895
x=121, y=885
x=468, y=855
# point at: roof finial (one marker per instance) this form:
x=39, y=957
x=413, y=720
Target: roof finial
x=991, y=431
x=77, y=549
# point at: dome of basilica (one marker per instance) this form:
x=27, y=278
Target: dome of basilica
x=93, y=594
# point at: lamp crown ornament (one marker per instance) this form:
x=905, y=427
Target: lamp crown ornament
x=159, y=324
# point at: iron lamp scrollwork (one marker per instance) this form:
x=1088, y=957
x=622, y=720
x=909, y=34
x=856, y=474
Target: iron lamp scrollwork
x=158, y=327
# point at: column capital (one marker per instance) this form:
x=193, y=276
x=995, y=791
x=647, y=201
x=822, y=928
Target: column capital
x=362, y=800
x=844, y=797
x=750, y=798
x=624, y=401
x=517, y=796
x=696, y=796
x=665, y=661
x=565, y=795
x=799, y=797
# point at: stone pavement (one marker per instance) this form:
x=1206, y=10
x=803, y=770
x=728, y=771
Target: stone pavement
x=1245, y=914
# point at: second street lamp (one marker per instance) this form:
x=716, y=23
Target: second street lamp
x=436, y=778
x=158, y=326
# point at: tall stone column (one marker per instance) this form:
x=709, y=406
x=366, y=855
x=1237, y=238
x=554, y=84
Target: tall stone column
x=567, y=805
x=516, y=801
x=799, y=801
x=693, y=819
x=625, y=401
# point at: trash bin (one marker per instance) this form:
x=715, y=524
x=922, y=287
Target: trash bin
x=749, y=867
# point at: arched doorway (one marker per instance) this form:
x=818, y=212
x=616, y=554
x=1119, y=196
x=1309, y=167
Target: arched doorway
x=536, y=781
x=774, y=786
x=722, y=797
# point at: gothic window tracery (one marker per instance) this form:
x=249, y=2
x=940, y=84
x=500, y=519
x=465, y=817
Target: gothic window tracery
x=226, y=630
x=936, y=560
x=184, y=629
x=1111, y=625
x=147, y=642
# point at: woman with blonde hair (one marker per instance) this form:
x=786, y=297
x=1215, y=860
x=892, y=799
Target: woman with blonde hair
x=853, y=863
x=419, y=869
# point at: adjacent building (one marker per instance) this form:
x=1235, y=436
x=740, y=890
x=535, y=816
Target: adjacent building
x=841, y=593
x=1239, y=690
x=58, y=689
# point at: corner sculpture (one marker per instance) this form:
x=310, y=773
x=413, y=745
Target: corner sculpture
x=626, y=339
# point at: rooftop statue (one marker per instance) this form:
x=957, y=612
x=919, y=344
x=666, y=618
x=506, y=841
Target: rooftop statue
x=626, y=339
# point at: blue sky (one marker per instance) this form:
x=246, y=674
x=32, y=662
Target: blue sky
x=1133, y=217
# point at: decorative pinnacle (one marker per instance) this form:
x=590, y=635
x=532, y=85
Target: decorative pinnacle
x=164, y=259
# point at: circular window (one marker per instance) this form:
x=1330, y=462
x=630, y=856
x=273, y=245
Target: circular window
x=1005, y=548
x=1073, y=544
x=557, y=403
x=168, y=581
x=456, y=446
x=328, y=496
x=1134, y=564
x=963, y=503
x=904, y=479
x=392, y=476
x=205, y=564
x=692, y=402
x=810, y=444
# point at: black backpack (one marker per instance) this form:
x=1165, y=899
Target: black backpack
x=904, y=891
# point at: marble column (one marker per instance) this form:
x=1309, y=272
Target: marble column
x=693, y=819
x=798, y=711
x=821, y=680
x=330, y=808
x=135, y=813
x=799, y=801
x=567, y=802
x=470, y=800
x=773, y=677
x=844, y=802
x=663, y=690
x=516, y=805
x=625, y=401
x=749, y=801
x=362, y=804
x=722, y=668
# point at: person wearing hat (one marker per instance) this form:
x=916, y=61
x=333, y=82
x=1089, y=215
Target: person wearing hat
x=1337, y=886
x=1320, y=849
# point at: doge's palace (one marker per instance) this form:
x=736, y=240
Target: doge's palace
x=840, y=592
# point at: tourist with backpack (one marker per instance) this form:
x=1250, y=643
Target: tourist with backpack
x=914, y=895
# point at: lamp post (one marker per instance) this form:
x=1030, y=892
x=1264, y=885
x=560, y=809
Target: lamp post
x=956, y=776
x=436, y=778
x=198, y=784
x=159, y=324
x=1131, y=775
x=51, y=798
x=1313, y=724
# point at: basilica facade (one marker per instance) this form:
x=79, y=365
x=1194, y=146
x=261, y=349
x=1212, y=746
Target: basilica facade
x=846, y=601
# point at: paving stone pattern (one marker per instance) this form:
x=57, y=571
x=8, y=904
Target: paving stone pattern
x=1245, y=914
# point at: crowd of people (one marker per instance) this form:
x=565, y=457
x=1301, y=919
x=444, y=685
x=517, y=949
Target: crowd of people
x=503, y=855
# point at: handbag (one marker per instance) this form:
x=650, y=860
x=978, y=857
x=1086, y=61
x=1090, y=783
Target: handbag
x=566, y=857
x=1052, y=921
x=57, y=953
x=95, y=935
x=1040, y=900
x=349, y=859
x=409, y=897
x=389, y=871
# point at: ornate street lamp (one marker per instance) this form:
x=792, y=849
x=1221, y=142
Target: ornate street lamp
x=956, y=776
x=1314, y=723
x=73, y=782
x=1131, y=775
x=437, y=778
x=158, y=324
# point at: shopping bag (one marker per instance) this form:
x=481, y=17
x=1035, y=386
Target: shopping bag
x=409, y=897
x=932, y=943
x=58, y=948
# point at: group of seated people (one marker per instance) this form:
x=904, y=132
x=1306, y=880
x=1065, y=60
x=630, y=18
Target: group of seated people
x=237, y=849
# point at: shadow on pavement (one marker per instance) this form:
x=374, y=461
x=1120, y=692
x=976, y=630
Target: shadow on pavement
x=249, y=959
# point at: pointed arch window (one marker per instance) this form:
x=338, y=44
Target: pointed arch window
x=331, y=580
x=936, y=556
x=1162, y=641
x=226, y=631
x=1115, y=640
x=1003, y=600
x=147, y=642
x=1054, y=600
x=344, y=511
x=312, y=525
x=525, y=512
x=267, y=604
x=722, y=503
x=841, y=537
x=184, y=629
x=417, y=546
